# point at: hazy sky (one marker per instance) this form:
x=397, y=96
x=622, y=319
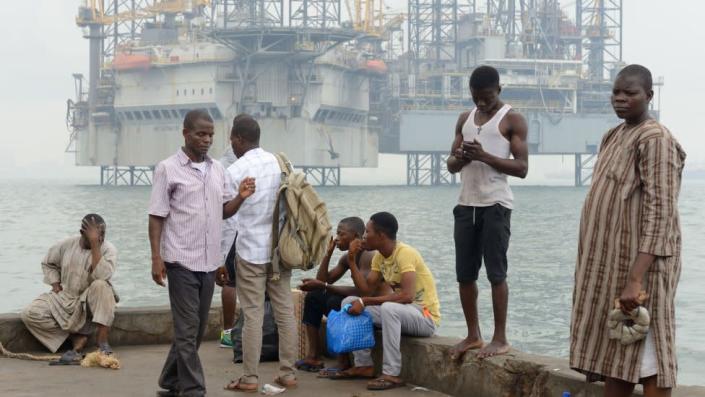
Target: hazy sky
x=42, y=47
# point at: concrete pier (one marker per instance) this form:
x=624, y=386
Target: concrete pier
x=425, y=363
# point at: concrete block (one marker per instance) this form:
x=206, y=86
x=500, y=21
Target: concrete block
x=132, y=326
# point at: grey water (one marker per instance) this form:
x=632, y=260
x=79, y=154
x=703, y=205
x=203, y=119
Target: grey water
x=34, y=215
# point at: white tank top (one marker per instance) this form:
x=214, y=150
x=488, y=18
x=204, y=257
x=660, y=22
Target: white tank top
x=482, y=185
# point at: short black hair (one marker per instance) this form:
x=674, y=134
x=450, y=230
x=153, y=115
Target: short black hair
x=246, y=127
x=640, y=71
x=354, y=224
x=385, y=223
x=95, y=218
x=484, y=77
x=194, y=115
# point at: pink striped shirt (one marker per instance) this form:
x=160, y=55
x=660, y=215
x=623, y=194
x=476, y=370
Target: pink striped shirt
x=192, y=205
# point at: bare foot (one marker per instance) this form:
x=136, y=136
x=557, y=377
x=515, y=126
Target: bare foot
x=457, y=351
x=494, y=349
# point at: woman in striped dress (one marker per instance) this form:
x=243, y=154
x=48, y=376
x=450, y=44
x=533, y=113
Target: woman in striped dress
x=630, y=241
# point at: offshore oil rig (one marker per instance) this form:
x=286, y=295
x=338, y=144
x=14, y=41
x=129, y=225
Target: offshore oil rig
x=334, y=83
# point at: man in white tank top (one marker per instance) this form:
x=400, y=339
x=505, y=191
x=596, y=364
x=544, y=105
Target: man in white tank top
x=486, y=139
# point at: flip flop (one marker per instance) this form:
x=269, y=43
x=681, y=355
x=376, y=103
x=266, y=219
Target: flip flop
x=105, y=349
x=328, y=372
x=308, y=367
x=343, y=375
x=238, y=387
x=384, y=384
x=70, y=357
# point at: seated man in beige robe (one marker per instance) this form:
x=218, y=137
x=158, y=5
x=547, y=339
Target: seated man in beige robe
x=81, y=297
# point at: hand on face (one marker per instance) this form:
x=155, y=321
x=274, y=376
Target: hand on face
x=332, y=244
x=247, y=187
x=92, y=231
x=355, y=248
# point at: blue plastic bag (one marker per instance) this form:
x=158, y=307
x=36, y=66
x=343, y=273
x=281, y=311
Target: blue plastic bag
x=346, y=333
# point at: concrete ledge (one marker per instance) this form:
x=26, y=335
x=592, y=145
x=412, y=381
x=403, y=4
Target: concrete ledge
x=426, y=362
x=132, y=326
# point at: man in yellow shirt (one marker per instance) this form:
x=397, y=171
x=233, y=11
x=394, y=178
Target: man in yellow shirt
x=411, y=309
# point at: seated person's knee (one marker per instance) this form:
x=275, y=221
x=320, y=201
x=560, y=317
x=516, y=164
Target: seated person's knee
x=349, y=299
x=101, y=288
x=313, y=297
x=99, y=284
x=389, y=308
x=26, y=314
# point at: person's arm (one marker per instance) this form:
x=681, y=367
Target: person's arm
x=93, y=234
x=51, y=266
x=366, y=285
x=344, y=290
x=660, y=163
x=629, y=299
x=105, y=268
x=246, y=188
x=103, y=256
x=404, y=296
x=325, y=279
x=518, y=166
x=312, y=284
x=156, y=225
x=323, y=274
x=159, y=209
x=457, y=159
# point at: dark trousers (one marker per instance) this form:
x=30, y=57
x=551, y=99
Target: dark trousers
x=190, y=295
x=319, y=303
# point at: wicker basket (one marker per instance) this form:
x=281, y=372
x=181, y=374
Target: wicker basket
x=298, y=297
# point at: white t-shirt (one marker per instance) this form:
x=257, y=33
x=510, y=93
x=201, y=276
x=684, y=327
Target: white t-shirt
x=253, y=221
x=202, y=166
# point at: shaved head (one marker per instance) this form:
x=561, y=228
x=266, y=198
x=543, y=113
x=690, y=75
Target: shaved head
x=639, y=71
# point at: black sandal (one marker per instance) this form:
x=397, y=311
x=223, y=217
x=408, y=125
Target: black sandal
x=70, y=357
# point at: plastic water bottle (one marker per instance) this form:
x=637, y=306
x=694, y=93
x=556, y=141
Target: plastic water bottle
x=566, y=394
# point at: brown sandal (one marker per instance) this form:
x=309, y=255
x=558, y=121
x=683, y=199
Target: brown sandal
x=349, y=373
x=238, y=386
x=382, y=383
x=289, y=384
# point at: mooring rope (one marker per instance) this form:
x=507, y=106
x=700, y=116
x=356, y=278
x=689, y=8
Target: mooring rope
x=25, y=356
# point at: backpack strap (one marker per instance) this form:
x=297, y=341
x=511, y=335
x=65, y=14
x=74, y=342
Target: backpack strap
x=284, y=164
x=286, y=170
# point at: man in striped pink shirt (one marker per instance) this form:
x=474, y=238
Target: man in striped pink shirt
x=190, y=198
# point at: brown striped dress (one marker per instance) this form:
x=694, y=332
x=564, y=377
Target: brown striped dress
x=631, y=207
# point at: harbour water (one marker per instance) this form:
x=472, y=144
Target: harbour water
x=34, y=215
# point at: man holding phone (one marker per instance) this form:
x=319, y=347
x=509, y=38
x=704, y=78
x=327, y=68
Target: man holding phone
x=486, y=139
